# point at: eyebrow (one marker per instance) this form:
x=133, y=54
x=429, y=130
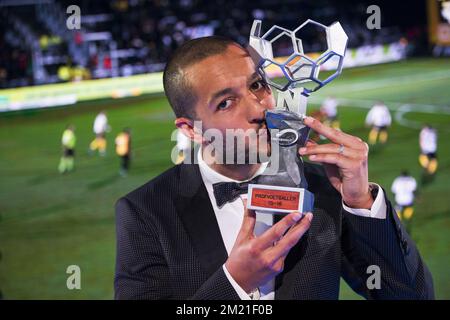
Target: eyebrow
x=226, y=91
x=255, y=75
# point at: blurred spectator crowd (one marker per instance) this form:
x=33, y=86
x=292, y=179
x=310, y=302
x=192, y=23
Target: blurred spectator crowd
x=126, y=37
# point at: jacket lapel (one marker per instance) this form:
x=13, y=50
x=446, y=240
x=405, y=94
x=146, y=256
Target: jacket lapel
x=195, y=210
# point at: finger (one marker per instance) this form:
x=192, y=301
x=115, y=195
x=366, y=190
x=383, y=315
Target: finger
x=332, y=134
x=330, y=148
x=282, y=248
x=278, y=230
x=248, y=224
x=336, y=159
x=311, y=143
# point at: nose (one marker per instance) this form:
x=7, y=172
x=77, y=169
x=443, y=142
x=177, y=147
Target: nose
x=256, y=108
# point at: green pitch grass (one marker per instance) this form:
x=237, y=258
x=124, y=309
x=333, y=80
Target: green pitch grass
x=50, y=221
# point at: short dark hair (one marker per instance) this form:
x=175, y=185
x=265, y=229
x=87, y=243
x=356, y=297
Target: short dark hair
x=177, y=88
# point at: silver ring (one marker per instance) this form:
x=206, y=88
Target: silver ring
x=341, y=149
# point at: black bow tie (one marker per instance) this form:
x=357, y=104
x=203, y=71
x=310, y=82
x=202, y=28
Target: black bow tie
x=229, y=191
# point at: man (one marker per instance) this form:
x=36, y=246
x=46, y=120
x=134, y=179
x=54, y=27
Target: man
x=403, y=188
x=100, y=128
x=123, y=150
x=329, y=109
x=68, y=141
x=379, y=119
x=176, y=241
x=428, y=148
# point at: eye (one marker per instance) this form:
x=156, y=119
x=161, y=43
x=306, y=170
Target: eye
x=225, y=104
x=258, y=85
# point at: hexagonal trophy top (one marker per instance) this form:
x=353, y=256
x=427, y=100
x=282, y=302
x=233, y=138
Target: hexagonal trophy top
x=298, y=68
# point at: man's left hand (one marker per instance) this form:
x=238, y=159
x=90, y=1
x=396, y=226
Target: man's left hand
x=346, y=162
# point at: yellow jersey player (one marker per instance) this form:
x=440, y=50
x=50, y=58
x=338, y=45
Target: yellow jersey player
x=123, y=150
x=68, y=141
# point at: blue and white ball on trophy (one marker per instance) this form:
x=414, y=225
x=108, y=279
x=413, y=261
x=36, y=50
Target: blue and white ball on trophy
x=299, y=75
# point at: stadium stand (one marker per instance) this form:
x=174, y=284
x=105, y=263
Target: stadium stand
x=126, y=37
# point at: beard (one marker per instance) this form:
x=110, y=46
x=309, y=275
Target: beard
x=247, y=149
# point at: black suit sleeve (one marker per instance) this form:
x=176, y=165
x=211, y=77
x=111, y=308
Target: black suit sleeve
x=142, y=271
x=217, y=287
x=383, y=243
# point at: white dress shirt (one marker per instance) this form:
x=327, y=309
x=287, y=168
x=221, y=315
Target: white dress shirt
x=231, y=215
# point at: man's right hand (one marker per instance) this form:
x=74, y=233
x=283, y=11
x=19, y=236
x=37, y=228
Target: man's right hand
x=254, y=261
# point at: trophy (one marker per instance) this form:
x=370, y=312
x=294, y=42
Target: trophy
x=286, y=190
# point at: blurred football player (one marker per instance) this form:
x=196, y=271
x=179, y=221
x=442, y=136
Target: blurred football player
x=320, y=116
x=379, y=118
x=123, y=150
x=329, y=109
x=100, y=128
x=428, y=148
x=68, y=141
x=183, y=146
x=403, y=188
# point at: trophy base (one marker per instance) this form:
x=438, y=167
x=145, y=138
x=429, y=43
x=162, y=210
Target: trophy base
x=278, y=199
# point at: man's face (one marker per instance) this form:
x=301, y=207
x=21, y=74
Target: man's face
x=232, y=95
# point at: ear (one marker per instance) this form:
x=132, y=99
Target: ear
x=187, y=127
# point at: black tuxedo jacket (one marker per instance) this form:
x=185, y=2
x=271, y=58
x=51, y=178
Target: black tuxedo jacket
x=169, y=246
